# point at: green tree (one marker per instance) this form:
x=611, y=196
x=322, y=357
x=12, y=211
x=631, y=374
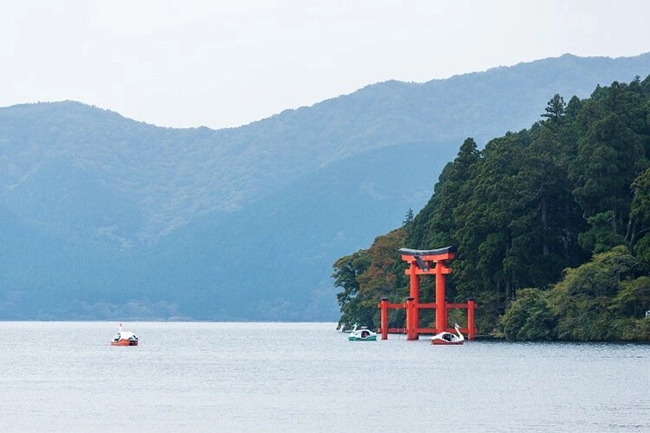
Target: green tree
x=582, y=301
x=600, y=237
x=640, y=208
x=408, y=218
x=555, y=109
x=633, y=299
x=482, y=219
x=346, y=273
x=434, y=224
x=546, y=219
x=529, y=317
x=610, y=157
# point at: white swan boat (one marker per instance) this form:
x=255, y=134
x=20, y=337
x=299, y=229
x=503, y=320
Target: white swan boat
x=448, y=337
x=124, y=338
x=362, y=334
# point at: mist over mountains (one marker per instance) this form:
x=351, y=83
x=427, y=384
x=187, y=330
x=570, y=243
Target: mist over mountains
x=102, y=217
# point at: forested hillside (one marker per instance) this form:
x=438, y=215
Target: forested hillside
x=103, y=217
x=551, y=226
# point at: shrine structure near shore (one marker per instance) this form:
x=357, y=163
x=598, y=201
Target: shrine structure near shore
x=426, y=262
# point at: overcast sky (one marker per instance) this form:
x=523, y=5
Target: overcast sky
x=218, y=63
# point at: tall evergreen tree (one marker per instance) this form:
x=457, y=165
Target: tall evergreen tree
x=610, y=157
x=555, y=109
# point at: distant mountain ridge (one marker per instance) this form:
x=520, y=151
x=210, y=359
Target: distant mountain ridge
x=114, y=204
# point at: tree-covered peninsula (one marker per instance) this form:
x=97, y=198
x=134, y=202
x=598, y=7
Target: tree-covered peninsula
x=551, y=226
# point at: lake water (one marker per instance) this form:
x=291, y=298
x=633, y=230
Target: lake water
x=306, y=377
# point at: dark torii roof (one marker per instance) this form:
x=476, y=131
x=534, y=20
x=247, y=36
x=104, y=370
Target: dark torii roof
x=411, y=252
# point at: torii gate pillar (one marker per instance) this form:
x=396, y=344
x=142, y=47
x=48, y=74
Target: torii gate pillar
x=441, y=298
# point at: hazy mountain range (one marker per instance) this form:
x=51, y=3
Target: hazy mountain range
x=102, y=217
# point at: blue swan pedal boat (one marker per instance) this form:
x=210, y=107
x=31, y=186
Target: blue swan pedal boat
x=362, y=334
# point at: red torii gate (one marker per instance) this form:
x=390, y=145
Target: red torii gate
x=420, y=262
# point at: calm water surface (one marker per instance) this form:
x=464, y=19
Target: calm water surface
x=306, y=377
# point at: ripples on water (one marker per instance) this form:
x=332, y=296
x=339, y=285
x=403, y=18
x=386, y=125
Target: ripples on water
x=306, y=377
